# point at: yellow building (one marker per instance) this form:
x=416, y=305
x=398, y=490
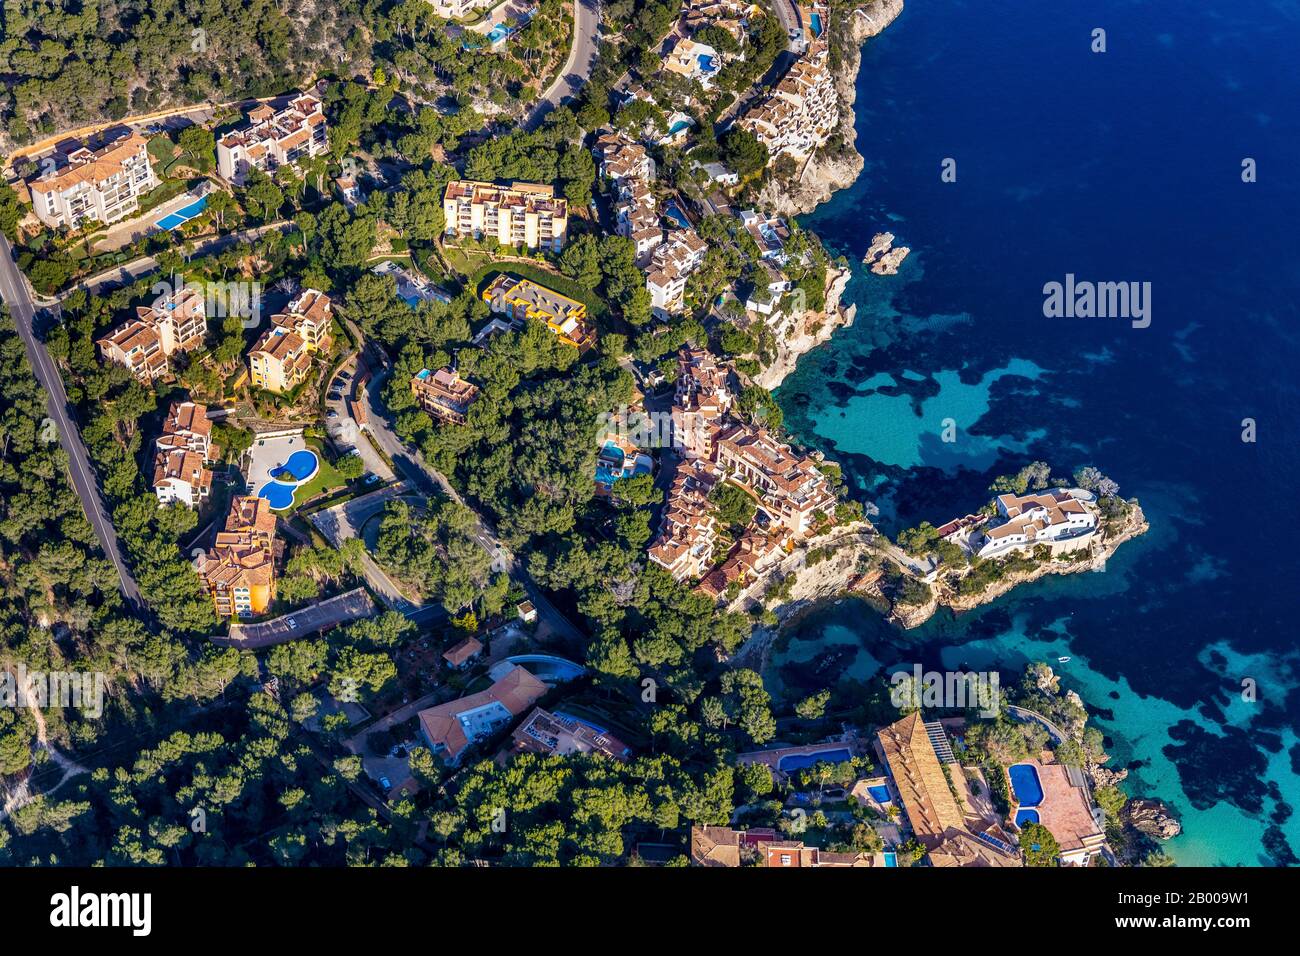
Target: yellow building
x=522, y=299
x=524, y=214
x=310, y=315
x=279, y=361
x=239, y=571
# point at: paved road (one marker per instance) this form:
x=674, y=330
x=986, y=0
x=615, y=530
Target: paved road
x=128, y=272
x=340, y=609
x=412, y=464
x=17, y=295
x=576, y=69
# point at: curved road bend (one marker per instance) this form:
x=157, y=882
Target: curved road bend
x=576, y=69
x=17, y=295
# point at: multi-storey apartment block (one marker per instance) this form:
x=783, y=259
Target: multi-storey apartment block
x=182, y=453
x=175, y=323
x=521, y=214
x=310, y=316
x=789, y=487
x=239, y=571
x=280, y=361
x=270, y=138
x=522, y=299
x=801, y=112
x=99, y=185
x=1059, y=519
x=444, y=394
x=670, y=266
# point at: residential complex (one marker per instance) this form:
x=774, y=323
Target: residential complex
x=269, y=138
x=521, y=214
x=175, y=323
x=801, y=112
x=522, y=299
x=952, y=833
x=671, y=264
x=94, y=185
x=450, y=728
x=182, y=454
x=310, y=316
x=792, y=495
x=444, y=394
x=239, y=570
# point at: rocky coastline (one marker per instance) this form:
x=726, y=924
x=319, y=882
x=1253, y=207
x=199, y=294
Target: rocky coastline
x=908, y=617
x=825, y=173
x=798, y=334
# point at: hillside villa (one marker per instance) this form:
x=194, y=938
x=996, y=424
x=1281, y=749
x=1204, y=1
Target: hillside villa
x=450, y=728
x=522, y=299
x=444, y=394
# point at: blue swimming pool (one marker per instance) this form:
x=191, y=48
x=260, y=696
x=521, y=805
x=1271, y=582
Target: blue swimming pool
x=800, y=761
x=891, y=859
x=300, y=467
x=183, y=215
x=1025, y=784
x=879, y=793
x=674, y=215
x=816, y=25
x=277, y=493
x=1026, y=815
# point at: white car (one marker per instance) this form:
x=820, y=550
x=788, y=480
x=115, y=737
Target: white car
x=293, y=623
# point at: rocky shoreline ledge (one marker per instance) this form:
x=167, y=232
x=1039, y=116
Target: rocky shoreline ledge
x=799, y=334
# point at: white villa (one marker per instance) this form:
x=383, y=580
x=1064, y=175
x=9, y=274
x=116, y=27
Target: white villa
x=1064, y=520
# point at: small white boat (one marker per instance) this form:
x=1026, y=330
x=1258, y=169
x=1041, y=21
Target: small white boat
x=1062, y=660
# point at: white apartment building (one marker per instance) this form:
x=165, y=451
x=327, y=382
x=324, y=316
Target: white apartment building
x=270, y=138
x=183, y=450
x=458, y=9
x=801, y=112
x=526, y=214
x=670, y=266
x=100, y=185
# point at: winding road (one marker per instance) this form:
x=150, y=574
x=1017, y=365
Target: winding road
x=17, y=295
x=576, y=69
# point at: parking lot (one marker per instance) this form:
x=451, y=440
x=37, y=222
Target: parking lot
x=340, y=609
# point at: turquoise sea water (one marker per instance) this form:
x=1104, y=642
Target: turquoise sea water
x=1119, y=166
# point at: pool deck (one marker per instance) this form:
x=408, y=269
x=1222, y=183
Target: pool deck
x=268, y=454
x=772, y=758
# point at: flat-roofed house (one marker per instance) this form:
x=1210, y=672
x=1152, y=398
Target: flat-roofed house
x=174, y=323
x=280, y=360
x=552, y=735
x=523, y=299
x=94, y=185
x=450, y=728
x=444, y=394
x=269, y=138
x=521, y=214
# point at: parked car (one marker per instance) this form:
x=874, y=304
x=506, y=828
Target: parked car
x=386, y=784
x=293, y=623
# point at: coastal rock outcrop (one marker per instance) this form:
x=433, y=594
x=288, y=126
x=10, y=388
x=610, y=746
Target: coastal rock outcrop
x=798, y=334
x=831, y=170
x=1133, y=525
x=1152, y=817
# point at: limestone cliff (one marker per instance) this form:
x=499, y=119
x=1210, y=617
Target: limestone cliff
x=799, y=334
x=825, y=172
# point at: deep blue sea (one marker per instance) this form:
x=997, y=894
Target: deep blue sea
x=1117, y=166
